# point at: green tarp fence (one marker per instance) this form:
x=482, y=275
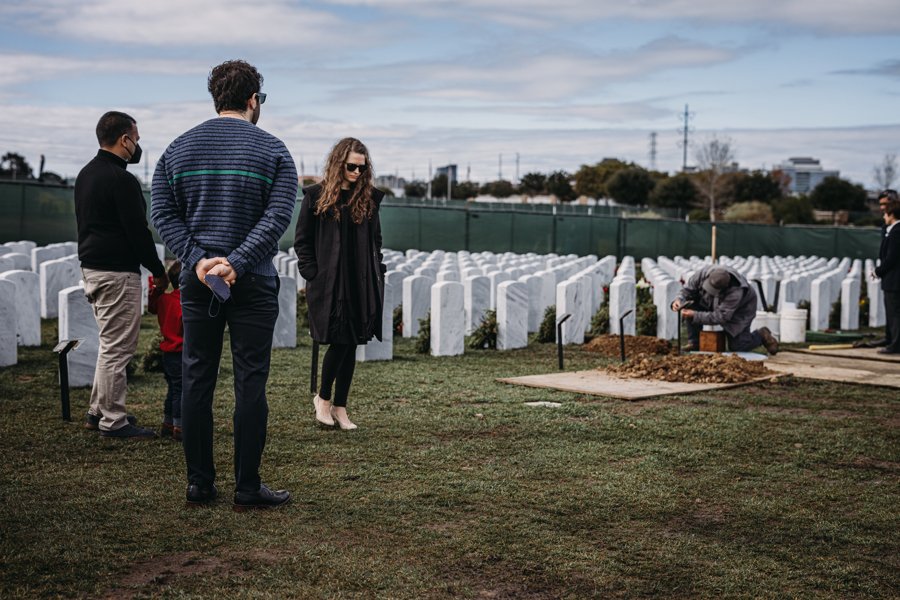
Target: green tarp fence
x=45, y=214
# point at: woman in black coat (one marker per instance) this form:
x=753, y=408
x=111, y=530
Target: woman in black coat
x=338, y=244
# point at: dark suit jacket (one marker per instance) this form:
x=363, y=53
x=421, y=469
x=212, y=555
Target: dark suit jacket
x=889, y=269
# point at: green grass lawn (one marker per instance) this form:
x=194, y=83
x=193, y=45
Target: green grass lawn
x=452, y=487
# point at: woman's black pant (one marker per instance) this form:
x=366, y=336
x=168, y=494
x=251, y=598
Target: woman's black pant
x=337, y=370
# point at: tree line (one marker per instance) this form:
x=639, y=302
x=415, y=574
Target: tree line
x=715, y=190
x=14, y=166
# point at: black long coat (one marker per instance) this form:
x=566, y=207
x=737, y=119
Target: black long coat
x=317, y=241
x=889, y=269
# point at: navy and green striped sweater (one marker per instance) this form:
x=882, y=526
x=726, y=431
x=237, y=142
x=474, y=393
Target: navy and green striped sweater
x=224, y=188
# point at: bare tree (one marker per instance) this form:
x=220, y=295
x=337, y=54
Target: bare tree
x=714, y=157
x=886, y=172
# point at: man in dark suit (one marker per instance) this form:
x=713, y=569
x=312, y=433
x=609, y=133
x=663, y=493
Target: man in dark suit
x=888, y=270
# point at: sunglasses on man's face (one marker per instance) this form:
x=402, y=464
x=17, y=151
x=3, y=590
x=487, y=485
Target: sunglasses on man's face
x=261, y=97
x=352, y=167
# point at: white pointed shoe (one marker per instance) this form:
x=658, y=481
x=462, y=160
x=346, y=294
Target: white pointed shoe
x=323, y=411
x=339, y=413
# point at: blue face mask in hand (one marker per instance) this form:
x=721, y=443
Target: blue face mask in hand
x=220, y=291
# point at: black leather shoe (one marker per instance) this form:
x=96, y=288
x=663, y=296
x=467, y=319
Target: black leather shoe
x=264, y=498
x=199, y=496
x=887, y=350
x=92, y=422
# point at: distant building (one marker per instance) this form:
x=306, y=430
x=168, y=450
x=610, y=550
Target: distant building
x=391, y=182
x=449, y=171
x=805, y=173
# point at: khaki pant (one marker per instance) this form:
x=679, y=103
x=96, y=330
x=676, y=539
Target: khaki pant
x=116, y=300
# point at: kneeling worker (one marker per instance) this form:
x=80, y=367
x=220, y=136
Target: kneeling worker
x=719, y=295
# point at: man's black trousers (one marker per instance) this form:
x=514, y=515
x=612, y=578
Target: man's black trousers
x=250, y=315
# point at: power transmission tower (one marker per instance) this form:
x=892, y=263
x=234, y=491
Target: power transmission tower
x=684, y=131
x=500, y=167
x=652, y=150
x=517, y=167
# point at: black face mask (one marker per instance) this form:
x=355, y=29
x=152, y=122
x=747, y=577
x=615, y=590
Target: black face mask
x=136, y=155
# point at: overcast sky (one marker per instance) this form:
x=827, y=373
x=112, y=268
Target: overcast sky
x=560, y=82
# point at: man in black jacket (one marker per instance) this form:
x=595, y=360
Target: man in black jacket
x=888, y=270
x=113, y=243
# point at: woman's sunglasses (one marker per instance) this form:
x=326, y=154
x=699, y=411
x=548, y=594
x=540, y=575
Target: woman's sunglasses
x=352, y=167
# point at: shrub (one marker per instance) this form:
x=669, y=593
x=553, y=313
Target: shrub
x=834, y=317
x=645, y=310
x=151, y=362
x=423, y=341
x=804, y=305
x=547, y=331
x=863, y=307
x=600, y=320
x=749, y=212
x=398, y=321
x=485, y=335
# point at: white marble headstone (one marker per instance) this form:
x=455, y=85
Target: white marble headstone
x=820, y=303
x=496, y=278
x=850, y=304
x=512, y=315
x=383, y=350
x=533, y=286
x=569, y=301
x=664, y=293
x=23, y=247
x=76, y=321
x=622, y=298
x=56, y=275
x=42, y=254
x=28, y=306
x=476, y=300
x=9, y=347
x=416, y=303
x=21, y=261
x=285, y=333
x=448, y=321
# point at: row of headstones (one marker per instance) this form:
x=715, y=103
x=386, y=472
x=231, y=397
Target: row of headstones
x=458, y=288
x=31, y=277
x=822, y=282
x=817, y=280
x=49, y=285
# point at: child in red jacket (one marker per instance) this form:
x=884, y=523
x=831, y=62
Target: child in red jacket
x=167, y=308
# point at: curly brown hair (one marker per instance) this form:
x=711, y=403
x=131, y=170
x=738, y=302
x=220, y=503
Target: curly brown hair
x=233, y=83
x=361, y=203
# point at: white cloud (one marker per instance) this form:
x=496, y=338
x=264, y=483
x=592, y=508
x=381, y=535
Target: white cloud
x=233, y=23
x=20, y=67
x=833, y=16
x=520, y=76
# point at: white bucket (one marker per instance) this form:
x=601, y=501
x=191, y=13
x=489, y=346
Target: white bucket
x=767, y=319
x=774, y=325
x=793, y=326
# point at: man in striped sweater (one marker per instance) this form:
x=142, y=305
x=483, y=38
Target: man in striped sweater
x=223, y=194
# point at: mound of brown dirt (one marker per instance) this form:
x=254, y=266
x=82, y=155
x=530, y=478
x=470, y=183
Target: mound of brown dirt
x=691, y=368
x=608, y=345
